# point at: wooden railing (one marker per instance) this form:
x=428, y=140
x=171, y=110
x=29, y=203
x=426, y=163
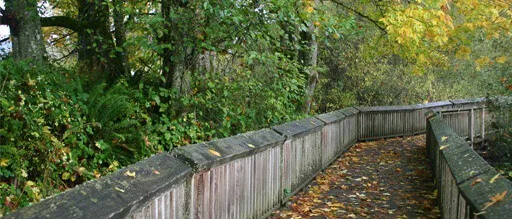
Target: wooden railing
x=244, y=176
x=464, y=180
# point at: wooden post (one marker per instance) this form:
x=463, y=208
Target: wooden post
x=471, y=126
x=483, y=127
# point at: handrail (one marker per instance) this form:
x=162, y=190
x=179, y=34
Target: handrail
x=244, y=176
x=465, y=181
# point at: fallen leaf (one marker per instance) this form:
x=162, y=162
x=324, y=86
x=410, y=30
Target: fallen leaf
x=156, y=172
x=443, y=147
x=476, y=181
x=479, y=213
x=118, y=189
x=130, y=174
x=214, y=152
x=250, y=145
x=495, y=198
x=339, y=205
x=494, y=178
x=444, y=138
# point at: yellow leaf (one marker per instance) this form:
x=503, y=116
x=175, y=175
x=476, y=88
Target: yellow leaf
x=118, y=189
x=65, y=176
x=309, y=9
x=250, y=145
x=340, y=205
x=29, y=183
x=444, y=138
x=4, y=162
x=31, y=82
x=494, y=178
x=443, y=147
x=96, y=173
x=463, y=52
x=214, y=152
x=128, y=173
x=24, y=173
x=501, y=59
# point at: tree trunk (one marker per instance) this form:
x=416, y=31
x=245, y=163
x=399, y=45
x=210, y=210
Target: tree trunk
x=96, y=49
x=176, y=64
x=25, y=26
x=309, y=58
x=168, y=64
x=120, y=34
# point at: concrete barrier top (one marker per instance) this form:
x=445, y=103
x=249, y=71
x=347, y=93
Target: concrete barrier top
x=115, y=195
x=300, y=127
x=209, y=154
x=384, y=108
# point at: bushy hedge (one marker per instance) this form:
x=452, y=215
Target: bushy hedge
x=57, y=131
x=54, y=134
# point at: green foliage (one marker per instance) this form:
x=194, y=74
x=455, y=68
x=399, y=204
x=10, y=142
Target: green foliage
x=57, y=131
x=499, y=151
x=235, y=66
x=54, y=134
x=223, y=105
x=501, y=137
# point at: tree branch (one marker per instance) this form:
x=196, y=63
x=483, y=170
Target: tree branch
x=62, y=37
x=376, y=23
x=63, y=21
x=73, y=51
x=4, y=40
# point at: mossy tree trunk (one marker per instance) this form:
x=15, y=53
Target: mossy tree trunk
x=25, y=26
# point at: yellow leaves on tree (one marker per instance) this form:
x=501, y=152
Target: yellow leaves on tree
x=483, y=61
x=501, y=59
x=427, y=29
x=463, y=52
x=309, y=6
x=4, y=162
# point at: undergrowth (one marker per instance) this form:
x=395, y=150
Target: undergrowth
x=57, y=131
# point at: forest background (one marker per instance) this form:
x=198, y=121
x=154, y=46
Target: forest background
x=89, y=86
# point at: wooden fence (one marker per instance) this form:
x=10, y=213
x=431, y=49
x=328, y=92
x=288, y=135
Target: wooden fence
x=464, y=180
x=244, y=176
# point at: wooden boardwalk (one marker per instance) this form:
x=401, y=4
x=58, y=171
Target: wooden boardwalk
x=378, y=179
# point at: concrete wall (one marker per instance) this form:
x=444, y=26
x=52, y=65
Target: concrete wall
x=243, y=176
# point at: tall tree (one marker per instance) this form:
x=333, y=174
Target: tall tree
x=96, y=47
x=25, y=26
x=120, y=33
x=308, y=55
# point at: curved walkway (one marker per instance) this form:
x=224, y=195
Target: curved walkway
x=379, y=179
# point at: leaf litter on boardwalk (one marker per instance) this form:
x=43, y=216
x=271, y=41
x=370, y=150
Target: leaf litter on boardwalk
x=382, y=179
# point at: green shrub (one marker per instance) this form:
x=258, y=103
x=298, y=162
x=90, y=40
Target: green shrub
x=500, y=144
x=54, y=134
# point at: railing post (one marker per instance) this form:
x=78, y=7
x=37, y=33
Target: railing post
x=483, y=127
x=471, y=126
